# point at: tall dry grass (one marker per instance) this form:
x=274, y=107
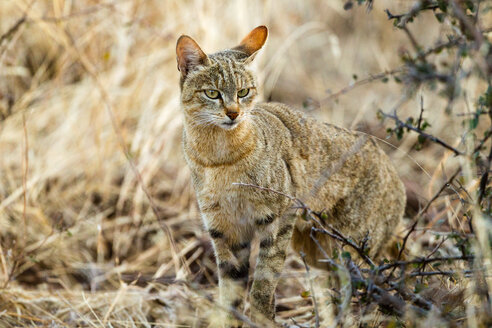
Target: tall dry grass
x=90, y=122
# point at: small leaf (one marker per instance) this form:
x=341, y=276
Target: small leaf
x=305, y=294
x=424, y=125
x=33, y=259
x=440, y=17
x=419, y=287
x=473, y=123
x=399, y=133
x=443, y=5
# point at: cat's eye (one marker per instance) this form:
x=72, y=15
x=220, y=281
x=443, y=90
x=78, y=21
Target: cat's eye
x=242, y=93
x=212, y=94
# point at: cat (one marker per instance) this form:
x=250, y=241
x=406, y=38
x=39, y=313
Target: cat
x=231, y=140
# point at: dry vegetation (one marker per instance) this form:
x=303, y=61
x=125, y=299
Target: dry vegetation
x=98, y=221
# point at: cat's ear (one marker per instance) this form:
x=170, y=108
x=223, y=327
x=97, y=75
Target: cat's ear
x=189, y=55
x=253, y=41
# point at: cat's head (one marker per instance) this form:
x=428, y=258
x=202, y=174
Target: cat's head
x=219, y=89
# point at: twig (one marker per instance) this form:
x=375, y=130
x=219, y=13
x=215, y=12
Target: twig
x=437, y=273
x=327, y=258
x=419, y=215
x=413, y=298
x=412, y=39
x=25, y=164
x=470, y=26
x=13, y=29
x=359, y=83
x=424, y=261
x=81, y=13
x=444, y=239
x=339, y=236
x=401, y=124
x=421, y=112
x=484, y=178
x=382, y=297
x=270, y=190
x=403, y=19
x=313, y=295
x=447, y=184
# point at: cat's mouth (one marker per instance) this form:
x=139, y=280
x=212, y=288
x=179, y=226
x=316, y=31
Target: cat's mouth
x=229, y=125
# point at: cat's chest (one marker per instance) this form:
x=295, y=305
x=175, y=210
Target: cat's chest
x=220, y=192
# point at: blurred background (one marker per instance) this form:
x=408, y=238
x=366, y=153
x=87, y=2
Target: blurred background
x=89, y=96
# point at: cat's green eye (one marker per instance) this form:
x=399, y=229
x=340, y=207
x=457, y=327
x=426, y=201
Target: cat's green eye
x=212, y=94
x=242, y=93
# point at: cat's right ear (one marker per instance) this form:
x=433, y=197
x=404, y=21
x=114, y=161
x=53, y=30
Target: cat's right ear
x=189, y=55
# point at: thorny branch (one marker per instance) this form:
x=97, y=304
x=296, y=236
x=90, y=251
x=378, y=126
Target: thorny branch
x=400, y=124
x=375, y=283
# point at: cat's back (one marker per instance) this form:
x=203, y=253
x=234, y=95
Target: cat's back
x=323, y=159
x=309, y=137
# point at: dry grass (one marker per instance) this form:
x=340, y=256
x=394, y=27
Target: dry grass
x=89, y=95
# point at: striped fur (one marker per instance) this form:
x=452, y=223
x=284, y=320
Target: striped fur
x=233, y=138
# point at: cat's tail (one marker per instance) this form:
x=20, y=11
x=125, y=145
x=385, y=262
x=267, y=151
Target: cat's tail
x=313, y=246
x=317, y=246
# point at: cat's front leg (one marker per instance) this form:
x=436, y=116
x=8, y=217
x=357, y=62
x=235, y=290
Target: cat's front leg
x=233, y=262
x=273, y=251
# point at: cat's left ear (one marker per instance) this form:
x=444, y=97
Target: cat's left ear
x=253, y=42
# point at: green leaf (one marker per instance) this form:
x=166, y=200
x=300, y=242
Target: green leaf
x=305, y=294
x=440, y=17
x=473, y=123
x=33, y=259
x=443, y=5
x=419, y=287
x=424, y=125
x=399, y=133
x=359, y=284
x=469, y=4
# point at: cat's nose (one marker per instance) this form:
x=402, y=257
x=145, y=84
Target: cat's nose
x=232, y=115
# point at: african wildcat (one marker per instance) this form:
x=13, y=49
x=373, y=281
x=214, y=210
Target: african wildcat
x=229, y=137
